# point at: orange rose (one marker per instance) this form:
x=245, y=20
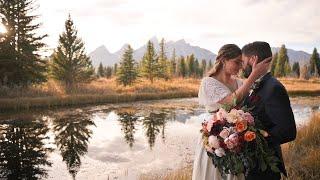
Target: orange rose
x=241, y=126
x=249, y=136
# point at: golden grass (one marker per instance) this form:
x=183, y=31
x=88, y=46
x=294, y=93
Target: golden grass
x=180, y=174
x=103, y=90
x=296, y=87
x=302, y=156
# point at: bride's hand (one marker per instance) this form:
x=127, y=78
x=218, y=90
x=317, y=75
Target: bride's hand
x=261, y=68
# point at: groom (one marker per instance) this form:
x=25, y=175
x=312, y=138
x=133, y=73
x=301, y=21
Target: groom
x=271, y=106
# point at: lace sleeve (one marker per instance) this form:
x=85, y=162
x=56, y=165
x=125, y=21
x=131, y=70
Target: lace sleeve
x=211, y=92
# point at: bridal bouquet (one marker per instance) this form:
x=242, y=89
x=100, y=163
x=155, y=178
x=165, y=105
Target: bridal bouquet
x=236, y=144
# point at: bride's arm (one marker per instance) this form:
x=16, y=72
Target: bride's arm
x=258, y=69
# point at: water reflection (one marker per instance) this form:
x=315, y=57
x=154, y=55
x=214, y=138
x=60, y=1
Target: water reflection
x=124, y=143
x=128, y=120
x=72, y=134
x=152, y=124
x=23, y=154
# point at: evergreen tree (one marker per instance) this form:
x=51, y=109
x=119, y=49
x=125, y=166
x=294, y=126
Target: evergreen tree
x=163, y=70
x=274, y=63
x=287, y=68
x=108, y=72
x=203, y=66
x=173, y=64
x=101, y=71
x=182, y=67
x=70, y=63
x=127, y=72
x=198, y=71
x=282, y=62
x=20, y=62
x=191, y=65
x=115, y=69
x=149, y=66
x=314, y=63
x=296, y=69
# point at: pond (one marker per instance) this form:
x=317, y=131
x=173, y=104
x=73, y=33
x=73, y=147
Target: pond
x=119, y=141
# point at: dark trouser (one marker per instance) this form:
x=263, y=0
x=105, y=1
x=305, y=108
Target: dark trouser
x=267, y=175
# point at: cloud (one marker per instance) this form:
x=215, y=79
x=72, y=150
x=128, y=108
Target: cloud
x=207, y=23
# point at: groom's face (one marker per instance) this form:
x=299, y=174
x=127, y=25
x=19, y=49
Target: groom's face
x=247, y=65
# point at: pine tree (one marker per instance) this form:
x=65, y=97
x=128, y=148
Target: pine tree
x=191, y=65
x=101, y=71
x=149, y=66
x=20, y=62
x=274, y=63
x=282, y=60
x=173, y=64
x=182, y=67
x=197, y=68
x=163, y=70
x=314, y=63
x=127, y=72
x=203, y=66
x=70, y=63
x=108, y=72
x=287, y=68
x=296, y=68
x=115, y=69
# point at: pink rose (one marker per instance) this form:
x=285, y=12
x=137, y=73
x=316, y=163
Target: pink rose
x=232, y=141
x=229, y=143
x=234, y=138
x=214, y=142
x=224, y=133
x=249, y=118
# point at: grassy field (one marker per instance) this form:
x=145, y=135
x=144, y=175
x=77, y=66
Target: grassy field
x=53, y=93
x=102, y=90
x=302, y=156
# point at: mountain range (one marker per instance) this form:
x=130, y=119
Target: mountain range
x=182, y=48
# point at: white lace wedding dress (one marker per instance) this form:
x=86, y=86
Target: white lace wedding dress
x=210, y=92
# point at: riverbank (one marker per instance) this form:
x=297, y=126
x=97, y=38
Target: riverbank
x=302, y=156
x=53, y=94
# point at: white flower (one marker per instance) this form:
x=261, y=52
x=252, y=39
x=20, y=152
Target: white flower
x=214, y=142
x=220, y=152
x=233, y=116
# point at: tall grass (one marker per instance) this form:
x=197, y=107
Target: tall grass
x=302, y=156
x=99, y=91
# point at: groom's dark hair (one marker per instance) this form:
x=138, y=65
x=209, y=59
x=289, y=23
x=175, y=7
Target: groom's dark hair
x=257, y=48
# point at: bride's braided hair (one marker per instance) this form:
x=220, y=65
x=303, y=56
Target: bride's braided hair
x=226, y=52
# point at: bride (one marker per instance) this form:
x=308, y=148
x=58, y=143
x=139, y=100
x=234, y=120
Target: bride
x=222, y=87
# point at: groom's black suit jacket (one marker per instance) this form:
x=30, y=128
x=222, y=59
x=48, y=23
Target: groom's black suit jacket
x=272, y=107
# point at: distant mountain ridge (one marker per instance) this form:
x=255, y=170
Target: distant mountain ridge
x=182, y=48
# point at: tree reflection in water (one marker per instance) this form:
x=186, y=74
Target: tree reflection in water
x=128, y=120
x=22, y=151
x=152, y=124
x=72, y=133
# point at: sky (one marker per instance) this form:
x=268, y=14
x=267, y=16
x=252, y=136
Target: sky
x=205, y=23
